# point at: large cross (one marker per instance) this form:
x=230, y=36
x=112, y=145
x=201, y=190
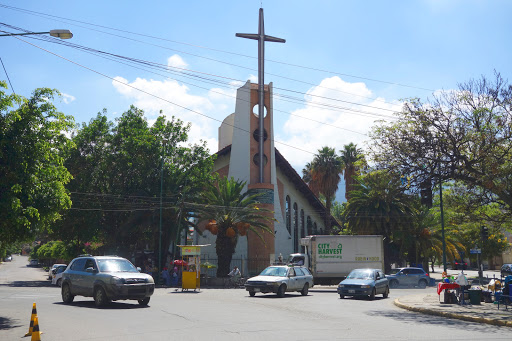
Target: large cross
x=261, y=38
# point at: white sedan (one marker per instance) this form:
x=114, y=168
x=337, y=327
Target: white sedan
x=57, y=274
x=280, y=279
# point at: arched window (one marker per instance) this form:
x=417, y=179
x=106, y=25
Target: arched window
x=295, y=228
x=288, y=215
x=315, y=229
x=302, y=229
x=309, y=225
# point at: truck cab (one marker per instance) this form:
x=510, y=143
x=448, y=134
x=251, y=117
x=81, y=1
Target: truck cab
x=298, y=259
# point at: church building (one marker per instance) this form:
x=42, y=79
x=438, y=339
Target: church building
x=297, y=210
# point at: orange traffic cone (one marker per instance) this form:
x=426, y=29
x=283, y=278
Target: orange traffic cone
x=36, y=334
x=32, y=317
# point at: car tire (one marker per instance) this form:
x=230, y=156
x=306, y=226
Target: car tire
x=393, y=284
x=386, y=293
x=372, y=295
x=342, y=296
x=67, y=297
x=59, y=282
x=422, y=284
x=144, y=302
x=281, y=291
x=100, y=297
x=305, y=290
x=252, y=293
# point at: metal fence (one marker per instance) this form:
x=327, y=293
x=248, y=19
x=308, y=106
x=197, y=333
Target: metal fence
x=248, y=266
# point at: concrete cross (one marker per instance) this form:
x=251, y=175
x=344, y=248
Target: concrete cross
x=261, y=38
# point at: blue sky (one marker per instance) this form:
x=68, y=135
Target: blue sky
x=372, y=54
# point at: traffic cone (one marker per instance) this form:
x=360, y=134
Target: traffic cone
x=32, y=318
x=36, y=334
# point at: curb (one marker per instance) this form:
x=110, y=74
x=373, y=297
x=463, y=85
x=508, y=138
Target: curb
x=452, y=315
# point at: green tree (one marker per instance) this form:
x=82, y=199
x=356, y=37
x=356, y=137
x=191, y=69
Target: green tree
x=463, y=135
x=232, y=212
x=323, y=175
x=352, y=158
x=32, y=172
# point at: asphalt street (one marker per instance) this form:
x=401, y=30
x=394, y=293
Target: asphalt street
x=220, y=314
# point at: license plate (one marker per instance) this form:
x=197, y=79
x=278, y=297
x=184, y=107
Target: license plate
x=351, y=291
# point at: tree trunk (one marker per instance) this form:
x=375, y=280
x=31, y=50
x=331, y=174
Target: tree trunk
x=225, y=248
x=328, y=214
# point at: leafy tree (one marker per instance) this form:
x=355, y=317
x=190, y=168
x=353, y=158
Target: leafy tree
x=323, y=175
x=32, y=172
x=232, y=213
x=463, y=135
x=378, y=205
x=351, y=157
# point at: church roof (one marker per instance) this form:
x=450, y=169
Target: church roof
x=295, y=178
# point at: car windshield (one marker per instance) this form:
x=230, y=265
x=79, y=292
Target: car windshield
x=274, y=271
x=360, y=274
x=394, y=271
x=116, y=265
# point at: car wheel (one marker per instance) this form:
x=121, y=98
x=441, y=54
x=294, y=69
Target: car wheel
x=100, y=297
x=393, y=284
x=67, y=297
x=305, y=290
x=422, y=284
x=252, y=293
x=342, y=296
x=281, y=290
x=144, y=302
x=59, y=282
x=372, y=295
x=386, y=293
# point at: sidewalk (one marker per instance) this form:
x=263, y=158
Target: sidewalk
x=430, y=303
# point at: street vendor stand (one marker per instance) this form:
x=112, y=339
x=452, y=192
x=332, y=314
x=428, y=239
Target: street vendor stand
x=190, y=279
x=446, y=286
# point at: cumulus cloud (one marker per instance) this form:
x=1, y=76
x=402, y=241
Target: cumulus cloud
x=335, y=113
x=177, y=62
x=67, y=98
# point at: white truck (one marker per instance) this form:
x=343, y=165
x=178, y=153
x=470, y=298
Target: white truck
x=331, y=258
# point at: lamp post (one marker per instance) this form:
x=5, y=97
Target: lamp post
x=164, y=141
x=62, y=34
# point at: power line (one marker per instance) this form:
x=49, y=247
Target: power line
x=12, y=88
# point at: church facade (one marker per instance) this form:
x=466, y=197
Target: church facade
x=298, y=212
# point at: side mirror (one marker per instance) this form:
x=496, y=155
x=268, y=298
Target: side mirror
x=139, y=269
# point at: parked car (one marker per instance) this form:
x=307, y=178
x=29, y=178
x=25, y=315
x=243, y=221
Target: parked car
x=364, y=282
x=33, y=262
x=54, y=266
x=506, y=270
x=105, y=278
x=408, y=277
x=57, y=274
x=8, y=258
x=460, y=265
x=280, y=279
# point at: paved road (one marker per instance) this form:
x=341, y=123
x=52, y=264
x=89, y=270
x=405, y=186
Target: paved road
x=219, y=314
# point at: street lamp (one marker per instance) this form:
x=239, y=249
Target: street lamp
x=164, y=142
x=62, y=34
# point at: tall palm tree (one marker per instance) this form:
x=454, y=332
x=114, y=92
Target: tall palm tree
x=231, y=213
x=325, y=170
x=351, y=156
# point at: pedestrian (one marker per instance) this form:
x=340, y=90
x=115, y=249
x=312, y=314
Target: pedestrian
x=167, y=277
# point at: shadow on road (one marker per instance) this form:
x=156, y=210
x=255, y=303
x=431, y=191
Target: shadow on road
x=111, y=306
x=7, y=323
x=27, y=284
x=418, y=318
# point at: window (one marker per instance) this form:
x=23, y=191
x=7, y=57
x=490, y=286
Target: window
x=78, y=265
x=288, y=215
x=309, y=226
x=291, y=273
x=302, y=227
x=299, y=272
x=89, y=263
x=315, y=229
x=295, y=228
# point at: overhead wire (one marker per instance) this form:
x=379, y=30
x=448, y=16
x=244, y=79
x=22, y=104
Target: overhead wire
x=67, y=20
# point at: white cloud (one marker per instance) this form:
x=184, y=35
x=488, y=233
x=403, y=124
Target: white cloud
x=336, y=113
x=67, y=98
x=177, y=62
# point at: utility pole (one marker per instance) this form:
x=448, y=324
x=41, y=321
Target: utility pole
x=442, y=222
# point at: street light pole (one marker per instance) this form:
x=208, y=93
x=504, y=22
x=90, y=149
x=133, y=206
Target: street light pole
x=62, y=34
x=164, y=141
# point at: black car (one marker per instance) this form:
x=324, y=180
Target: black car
x=506, y=270
x=460, y=265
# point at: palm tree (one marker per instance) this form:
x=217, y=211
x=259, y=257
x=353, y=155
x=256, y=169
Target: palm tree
x=324, y=171
x=378, y=205
x=231, y=214
x=351, y=156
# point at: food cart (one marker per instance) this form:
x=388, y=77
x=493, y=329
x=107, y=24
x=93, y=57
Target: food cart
x=191, y=254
